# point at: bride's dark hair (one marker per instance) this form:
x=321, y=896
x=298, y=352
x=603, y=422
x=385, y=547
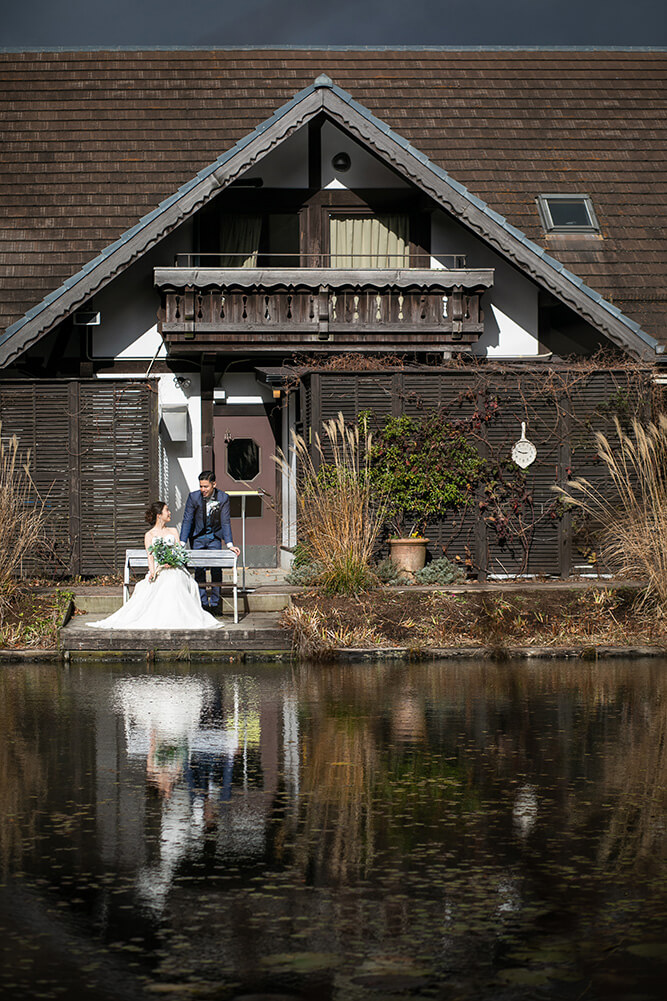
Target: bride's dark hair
x=153, y=511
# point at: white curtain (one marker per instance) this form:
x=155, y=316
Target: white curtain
x=239, y=241
x=369, y=242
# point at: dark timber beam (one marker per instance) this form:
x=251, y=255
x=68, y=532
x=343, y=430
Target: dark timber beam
x=315, y=153
x=207, y=385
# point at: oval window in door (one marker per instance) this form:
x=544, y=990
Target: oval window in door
x=242, y=459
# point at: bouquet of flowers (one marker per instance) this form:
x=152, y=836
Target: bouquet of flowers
x=167, y=553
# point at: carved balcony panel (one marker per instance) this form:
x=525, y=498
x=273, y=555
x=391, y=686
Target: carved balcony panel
x=333, y=309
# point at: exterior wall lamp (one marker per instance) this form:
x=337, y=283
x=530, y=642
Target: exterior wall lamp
x=341, y=162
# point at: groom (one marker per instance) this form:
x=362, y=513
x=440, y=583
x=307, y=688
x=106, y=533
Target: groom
x=205, y=524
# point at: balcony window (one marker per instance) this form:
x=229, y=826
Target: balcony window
x=251, y=241
x=357, y=241
x=280, y=241
x=567, y=214
x=239, y=241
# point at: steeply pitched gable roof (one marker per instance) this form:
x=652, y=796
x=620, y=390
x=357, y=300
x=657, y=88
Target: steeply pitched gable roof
x=484, y=114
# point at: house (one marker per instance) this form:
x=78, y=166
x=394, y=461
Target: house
x=204, y=250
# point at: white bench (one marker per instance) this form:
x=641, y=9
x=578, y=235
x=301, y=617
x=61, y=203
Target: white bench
x=224, y=559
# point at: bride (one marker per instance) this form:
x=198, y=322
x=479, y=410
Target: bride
x=168, y=596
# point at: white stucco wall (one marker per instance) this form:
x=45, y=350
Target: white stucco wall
x=365, y=171
x=128, y=332
x=243, y=387
x=287, y=166
x=180, y=462
x=510, y=307
x=128, y=305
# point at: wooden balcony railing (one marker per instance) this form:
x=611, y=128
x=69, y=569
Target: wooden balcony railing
x=307, y=308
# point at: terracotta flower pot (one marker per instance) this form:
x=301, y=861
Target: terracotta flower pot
x=409, y=555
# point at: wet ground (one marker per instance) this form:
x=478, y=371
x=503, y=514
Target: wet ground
x=444, y=831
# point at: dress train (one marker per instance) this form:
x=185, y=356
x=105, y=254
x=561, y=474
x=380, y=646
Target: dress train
x=171, y=601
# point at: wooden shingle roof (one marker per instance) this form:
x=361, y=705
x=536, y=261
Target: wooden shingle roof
x=94, y=140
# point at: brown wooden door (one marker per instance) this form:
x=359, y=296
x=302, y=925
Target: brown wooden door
x=243, y=447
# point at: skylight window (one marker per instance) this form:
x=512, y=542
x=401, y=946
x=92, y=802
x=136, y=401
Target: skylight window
x=567, y=214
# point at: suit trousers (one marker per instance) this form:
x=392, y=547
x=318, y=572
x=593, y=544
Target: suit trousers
x=210, y=598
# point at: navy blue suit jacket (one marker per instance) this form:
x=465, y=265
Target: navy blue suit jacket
x=194, y=517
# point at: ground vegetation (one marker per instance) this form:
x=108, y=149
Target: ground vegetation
x=427, y=619
x=34, y=617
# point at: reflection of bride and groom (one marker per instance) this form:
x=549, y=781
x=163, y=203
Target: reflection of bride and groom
x=169, y=597
x=187, y=738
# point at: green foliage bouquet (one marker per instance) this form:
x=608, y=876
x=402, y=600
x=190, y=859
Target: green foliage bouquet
x=169, y=554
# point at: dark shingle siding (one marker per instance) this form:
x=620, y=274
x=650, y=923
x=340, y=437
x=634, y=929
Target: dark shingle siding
x=91, y=141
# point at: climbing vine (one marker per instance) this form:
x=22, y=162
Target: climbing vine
x=423, y=466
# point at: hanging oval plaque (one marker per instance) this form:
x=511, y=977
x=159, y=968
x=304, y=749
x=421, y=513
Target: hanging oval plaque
x=524, y=452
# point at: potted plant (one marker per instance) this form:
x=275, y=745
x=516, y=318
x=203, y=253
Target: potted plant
x=408, y=553
x=421, y=466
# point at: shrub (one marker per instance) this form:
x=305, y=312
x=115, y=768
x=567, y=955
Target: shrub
x=387, y=571
x=423, y=466
x=22, y=519
x=338, y=519
x=305, y=574
x=348, y=575
x=301, y=556
x=440, y=571
x=630, y=514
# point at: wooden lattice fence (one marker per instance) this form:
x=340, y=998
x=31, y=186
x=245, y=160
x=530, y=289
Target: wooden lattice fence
x=93, y=454
x=562, y=409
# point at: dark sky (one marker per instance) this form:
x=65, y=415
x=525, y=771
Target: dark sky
x=47, y=23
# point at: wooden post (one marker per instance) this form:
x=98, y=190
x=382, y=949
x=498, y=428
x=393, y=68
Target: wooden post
x=564, y=463
x=207, y=384
x=315, y=154
x=316, y=415
x=86, y=369
x=154, y=418
x=481, y=553
x=397, y=394
x=74, y=475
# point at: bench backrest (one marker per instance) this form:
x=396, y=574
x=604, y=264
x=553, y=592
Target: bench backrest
x=196, y=558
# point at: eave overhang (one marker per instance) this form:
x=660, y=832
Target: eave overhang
x=325, y=97
x=268, y=278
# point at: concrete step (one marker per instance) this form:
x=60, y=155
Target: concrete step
x=262, y=600
x=98, y=604
x=256, y=631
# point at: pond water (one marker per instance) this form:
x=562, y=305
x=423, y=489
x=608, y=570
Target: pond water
x=445, y=831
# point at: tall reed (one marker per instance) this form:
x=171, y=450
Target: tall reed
x=338, y=516
x=629, y=511
x=22, y=518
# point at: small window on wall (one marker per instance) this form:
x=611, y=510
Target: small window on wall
x=243, y=459
x=567, y=214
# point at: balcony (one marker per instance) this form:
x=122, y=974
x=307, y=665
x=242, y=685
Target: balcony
x=320, y=308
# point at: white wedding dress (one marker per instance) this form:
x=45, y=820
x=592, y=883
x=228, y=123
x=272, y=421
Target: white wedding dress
x=171, y=601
